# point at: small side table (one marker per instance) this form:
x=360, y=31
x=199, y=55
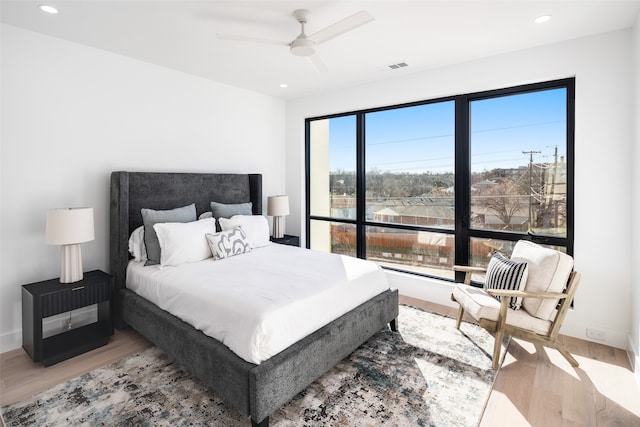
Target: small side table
x=50, y=297
x=287, y=240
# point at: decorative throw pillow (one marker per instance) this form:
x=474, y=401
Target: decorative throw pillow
x=256, y=228
x=228, y=243
x=151, y=217
x=227, y=210
x=184, y=242
x=507, y=274
x=136, y=245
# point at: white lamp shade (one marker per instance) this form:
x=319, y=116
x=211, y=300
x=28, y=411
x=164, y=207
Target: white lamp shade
x=69, y=226
x=278, y=205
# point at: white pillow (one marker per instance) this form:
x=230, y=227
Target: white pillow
x=256, y=228
x=228, y=243
x=137, y=249
x=184, y=242
x=549, y=271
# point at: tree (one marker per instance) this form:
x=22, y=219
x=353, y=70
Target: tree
x=501, y=199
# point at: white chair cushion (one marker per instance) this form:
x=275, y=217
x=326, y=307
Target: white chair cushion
x=476, y=302
x=481, y=305
x=549, y=271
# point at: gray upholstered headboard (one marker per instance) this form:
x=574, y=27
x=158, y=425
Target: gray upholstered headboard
x=132, y=191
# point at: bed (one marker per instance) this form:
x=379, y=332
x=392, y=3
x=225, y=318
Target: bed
x=256, y=389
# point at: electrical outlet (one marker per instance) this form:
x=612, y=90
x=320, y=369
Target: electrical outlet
x=595, y=334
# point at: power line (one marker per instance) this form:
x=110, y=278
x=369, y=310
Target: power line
x=394, y=141
x=519, y=126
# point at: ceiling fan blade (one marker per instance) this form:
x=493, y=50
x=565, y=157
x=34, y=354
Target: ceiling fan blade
x=318, y=64
x=347, y=24
x=251, y=39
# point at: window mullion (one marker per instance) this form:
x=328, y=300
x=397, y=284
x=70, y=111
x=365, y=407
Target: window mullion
x=570, y=114
x=307, y=180
x=361, y=248
x=462, y=182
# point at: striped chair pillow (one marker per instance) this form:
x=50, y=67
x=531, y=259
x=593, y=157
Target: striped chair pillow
x=506, y=274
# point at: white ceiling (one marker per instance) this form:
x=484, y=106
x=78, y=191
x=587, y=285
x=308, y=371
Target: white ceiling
x=425, y=34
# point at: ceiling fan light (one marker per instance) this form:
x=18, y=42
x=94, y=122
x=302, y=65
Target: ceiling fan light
x=303, y=47
x=542, y=19
x=48, y=9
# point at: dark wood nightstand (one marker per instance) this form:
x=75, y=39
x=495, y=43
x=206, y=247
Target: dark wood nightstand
x=287, y=240
x=50, y=297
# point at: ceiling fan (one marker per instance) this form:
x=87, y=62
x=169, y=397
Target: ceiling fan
x=304, y=45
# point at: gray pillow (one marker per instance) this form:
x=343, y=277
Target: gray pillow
x=151, y=217
x=226, y=210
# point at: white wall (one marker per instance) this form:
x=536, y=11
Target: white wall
x=634, y=336
x=72, y=114
x=602, y=67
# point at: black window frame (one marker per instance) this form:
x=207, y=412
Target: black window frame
x=462, y=230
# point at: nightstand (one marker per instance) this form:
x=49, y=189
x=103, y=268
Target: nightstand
x=50, y=297
x=287, y=240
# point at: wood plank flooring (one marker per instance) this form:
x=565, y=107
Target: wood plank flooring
x=20, y=377
x=535, y=386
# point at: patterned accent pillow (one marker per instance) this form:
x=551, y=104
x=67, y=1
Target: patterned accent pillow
x=507, y=274
x=228, y=243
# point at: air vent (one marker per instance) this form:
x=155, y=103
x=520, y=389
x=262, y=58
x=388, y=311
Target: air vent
x=398, y=65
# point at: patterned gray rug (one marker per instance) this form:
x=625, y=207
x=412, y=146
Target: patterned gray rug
x=427, y=374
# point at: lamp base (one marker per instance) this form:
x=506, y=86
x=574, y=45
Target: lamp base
x=70, y=263
x=278, y=227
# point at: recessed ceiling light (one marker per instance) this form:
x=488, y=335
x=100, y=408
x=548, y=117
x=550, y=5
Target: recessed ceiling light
x=541, y=19
x=48, y=9
x=284, y=85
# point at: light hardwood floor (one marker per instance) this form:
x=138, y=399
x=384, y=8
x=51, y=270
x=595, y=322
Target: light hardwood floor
x=535, y=386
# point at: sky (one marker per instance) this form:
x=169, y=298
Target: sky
x=419, y=139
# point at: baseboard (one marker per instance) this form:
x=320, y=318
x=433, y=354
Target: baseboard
x=636, y=371
x=634, y=359
x=574, y=328
x=439, y=291
x=10, y=341
x=424, y=288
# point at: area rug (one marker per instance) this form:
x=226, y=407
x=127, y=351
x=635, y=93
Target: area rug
x=426, y=374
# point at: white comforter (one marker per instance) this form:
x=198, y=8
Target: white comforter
x=261, y=302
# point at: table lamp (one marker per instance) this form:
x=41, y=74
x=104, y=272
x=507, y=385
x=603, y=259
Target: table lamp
x=69, y=227
x=278, y=208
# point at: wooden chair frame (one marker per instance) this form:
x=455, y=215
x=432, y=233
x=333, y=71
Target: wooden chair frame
x=499, y=328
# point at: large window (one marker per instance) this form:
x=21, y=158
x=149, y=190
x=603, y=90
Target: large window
x=423, y=186
x=518, y=162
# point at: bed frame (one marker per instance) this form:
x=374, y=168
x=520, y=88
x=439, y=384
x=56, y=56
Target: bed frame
x=255, y=390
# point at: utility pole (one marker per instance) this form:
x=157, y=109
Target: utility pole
x=530, y=153
x=555, y=171
x=552, y=194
